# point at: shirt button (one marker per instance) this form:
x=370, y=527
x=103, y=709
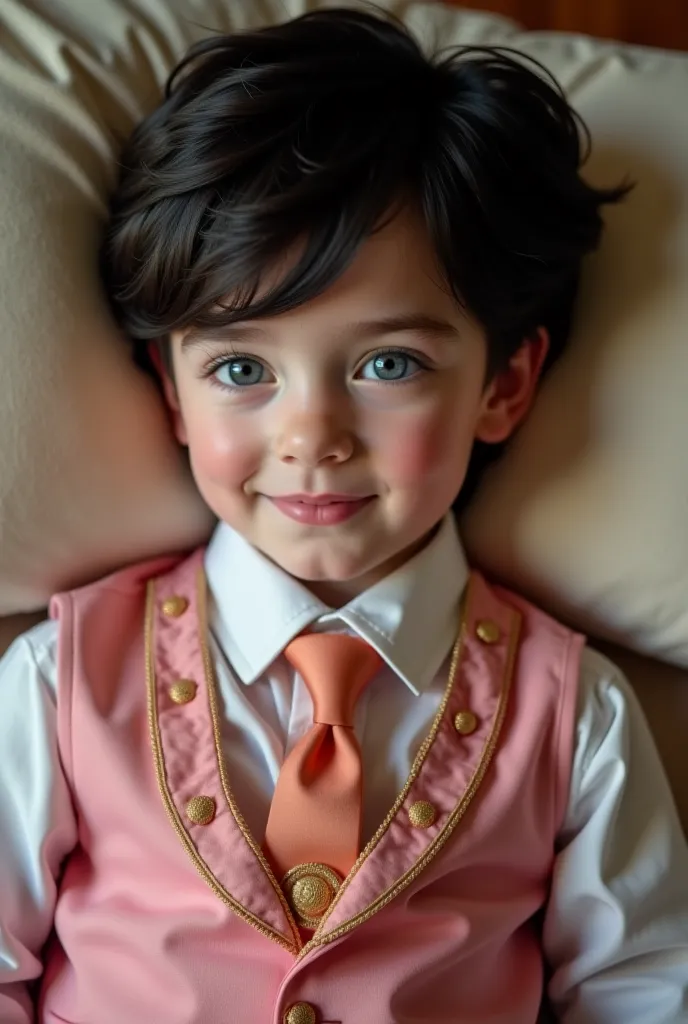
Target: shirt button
x=300, y=1013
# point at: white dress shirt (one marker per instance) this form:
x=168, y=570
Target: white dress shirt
x=616, y=924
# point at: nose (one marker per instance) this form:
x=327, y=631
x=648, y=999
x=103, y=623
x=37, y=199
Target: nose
x=312, y=438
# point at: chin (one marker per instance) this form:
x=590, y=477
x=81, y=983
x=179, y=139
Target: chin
x=309, y=573
x=312, y=569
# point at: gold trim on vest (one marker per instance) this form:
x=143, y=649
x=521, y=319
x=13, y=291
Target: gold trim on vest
x=229, y=796
x=411, y=848
x=173, y=811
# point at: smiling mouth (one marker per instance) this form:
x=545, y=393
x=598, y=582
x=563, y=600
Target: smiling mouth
x=322, y=499
x=321, y=509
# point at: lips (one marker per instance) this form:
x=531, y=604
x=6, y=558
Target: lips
x=322, y=499
x=321, y=509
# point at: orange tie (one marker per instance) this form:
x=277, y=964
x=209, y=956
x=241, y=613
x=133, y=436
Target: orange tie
x=315, y=815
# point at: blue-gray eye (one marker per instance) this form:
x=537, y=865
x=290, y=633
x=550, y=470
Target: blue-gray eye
x=390, y=366
x=240, y=372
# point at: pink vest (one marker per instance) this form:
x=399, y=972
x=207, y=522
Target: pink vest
x=163, y=919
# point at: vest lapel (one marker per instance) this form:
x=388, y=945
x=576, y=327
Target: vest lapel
x=185, y=735
x=444, y=780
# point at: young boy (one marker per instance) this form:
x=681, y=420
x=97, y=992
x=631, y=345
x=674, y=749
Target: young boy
x=321, y=771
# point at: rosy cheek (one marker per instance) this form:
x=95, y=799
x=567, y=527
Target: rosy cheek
x=417, y=449
x=223, y=454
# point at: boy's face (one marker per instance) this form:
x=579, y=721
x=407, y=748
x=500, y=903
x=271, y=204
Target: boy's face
x=335, y=437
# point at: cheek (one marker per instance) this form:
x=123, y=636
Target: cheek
x=425, y=445
x=222, y=452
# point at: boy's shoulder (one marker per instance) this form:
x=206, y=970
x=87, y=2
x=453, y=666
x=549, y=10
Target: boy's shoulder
x=533, y=617
x=124, y=587
x=130, y=581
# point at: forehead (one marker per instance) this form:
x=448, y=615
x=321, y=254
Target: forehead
x=395, y=269
x=394, y=279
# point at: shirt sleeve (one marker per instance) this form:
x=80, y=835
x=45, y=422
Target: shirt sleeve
x=616, y=925
x=37, y=823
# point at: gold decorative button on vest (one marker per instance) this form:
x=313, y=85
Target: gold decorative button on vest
x=465, y=722
x=422, y=814
x=200, y=810
x=175, y=606
x=487, y=631
x=183, y=691
x=300, y=1013
x=310, y=889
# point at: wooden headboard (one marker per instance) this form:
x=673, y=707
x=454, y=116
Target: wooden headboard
x=661, y=23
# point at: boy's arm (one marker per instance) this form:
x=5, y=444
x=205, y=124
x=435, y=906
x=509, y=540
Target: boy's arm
x=37, y=823
x=616, y=925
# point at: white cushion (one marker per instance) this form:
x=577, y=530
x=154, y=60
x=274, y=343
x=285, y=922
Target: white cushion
x=588, y=512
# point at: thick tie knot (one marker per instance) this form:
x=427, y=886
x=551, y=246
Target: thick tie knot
x=336, y=669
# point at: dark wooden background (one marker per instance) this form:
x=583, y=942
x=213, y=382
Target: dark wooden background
x=661, y=23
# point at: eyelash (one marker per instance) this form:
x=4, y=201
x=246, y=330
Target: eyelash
x=211, y=368
x=410, y=354
x=214, y=365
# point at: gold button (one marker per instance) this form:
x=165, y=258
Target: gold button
x=311, y=896
x=201, y=810
x=422, y=814
x=183, y=691
x=175, y=606
x=465, y=722
x=300, y=1013
x=310, y=890
x=487, y=631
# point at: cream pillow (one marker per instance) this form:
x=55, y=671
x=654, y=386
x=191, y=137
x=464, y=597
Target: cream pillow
x=588, y=510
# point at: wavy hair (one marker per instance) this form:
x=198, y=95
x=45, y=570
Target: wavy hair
x=313, y=132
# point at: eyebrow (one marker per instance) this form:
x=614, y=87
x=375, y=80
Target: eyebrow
x=419, y=323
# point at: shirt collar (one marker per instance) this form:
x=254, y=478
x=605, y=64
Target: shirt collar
x=410, y=617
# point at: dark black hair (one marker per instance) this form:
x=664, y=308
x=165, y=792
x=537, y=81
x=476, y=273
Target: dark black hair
x=311, y=132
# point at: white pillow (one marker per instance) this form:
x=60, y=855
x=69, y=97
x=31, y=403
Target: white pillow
x=588, y=512
x=89, y=474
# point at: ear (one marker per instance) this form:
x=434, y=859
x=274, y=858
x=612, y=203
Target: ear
x=170, y=393
x=153, y=351
x=510, y=394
